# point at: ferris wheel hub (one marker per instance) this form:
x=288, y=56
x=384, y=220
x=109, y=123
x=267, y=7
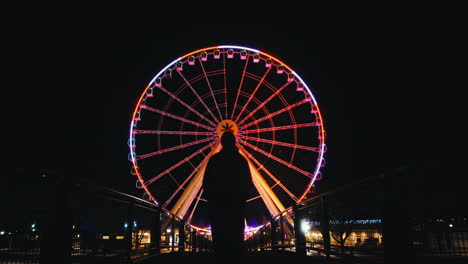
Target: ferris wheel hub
x=227, y=125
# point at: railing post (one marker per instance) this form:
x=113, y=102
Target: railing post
x=193, y=239
x=324, y=223
x=129, y=235
x=273, y=237
x=173, y=233
x=299, y=235
x=156, y=233
x=282, y=230
x=182, y=236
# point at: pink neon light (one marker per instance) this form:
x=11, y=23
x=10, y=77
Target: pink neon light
x=198, y=96
x=230, y=54
x=211, y=90
x=144, y=156
x=252, y=94
x=183, y=133
x=289, y=165
x=279, y=143
x=187, y=106
x=176, y=117
x=256, y=58
x=176, y=165
x=279, y=128
x=264, y=103
x=273, y=114
x=216, y=54
x=239, y=90
x=268, y=62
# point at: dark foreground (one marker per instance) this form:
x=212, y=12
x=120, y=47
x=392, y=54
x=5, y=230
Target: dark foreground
x=288, y=258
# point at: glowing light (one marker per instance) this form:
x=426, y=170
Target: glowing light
x=306, y=173
x=202, y=54
x=230, y=54
x=144, y=156
x=175, y=117
x=305, y=226
x=172, y=167
x=256, y=58
x=216, y=54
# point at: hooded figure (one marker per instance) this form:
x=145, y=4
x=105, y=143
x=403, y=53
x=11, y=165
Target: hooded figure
x=226, y=182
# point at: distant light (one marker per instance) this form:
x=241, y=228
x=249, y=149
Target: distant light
x=33, y=225
x=2, y=232
x=125, y=225
x=34, y=230
x=305, y=226
x=450, y=225
x=168, y=230
x=134, y=224
x=105, y=237
x=43, y=175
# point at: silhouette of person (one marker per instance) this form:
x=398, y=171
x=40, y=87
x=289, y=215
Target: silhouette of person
x=226, y=181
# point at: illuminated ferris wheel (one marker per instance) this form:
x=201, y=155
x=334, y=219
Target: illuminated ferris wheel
x=181, y=114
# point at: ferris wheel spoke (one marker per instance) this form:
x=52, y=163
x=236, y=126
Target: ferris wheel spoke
x=269, y=155
x=254, y=198
x=277, y=182
x=186, y=159
x=198, y=96
x=264, y=103
x=187, y=106
x=225, y=87
x=279, y=143
x=176, y=117
x=279, y=128
x=211, y=89
x=252, y=94
x=239, y=89
x=275, y=113
x=166, y=132
x=181, y=186
x=162, y=151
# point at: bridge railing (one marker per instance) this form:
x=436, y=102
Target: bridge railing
x=83, y=223
x=346, y=221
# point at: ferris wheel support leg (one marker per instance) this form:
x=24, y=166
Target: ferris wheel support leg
x=181, y=207
x=270, y=199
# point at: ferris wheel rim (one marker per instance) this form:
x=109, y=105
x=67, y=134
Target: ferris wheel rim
x=322, y=146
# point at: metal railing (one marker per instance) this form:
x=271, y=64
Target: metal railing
x=346, y=222
x=101, y=225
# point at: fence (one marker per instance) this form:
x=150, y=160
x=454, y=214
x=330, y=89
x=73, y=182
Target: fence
x=350, y=222
x=100, y=225
x=345, y=222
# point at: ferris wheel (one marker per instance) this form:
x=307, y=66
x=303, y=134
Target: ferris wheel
x=185, y=108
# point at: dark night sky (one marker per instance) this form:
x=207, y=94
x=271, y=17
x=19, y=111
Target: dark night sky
x=385, y=90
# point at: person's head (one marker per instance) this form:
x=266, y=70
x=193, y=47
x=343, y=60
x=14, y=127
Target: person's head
x=228, y=140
